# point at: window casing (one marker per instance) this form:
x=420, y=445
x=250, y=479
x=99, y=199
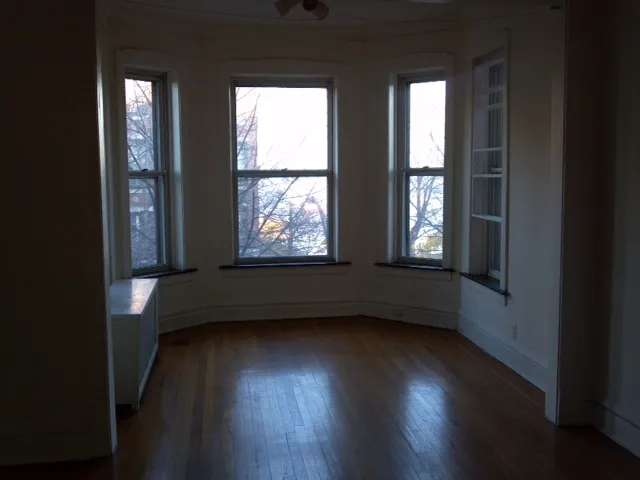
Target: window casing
x=148, y=183
x=489, y=179
x=420, y=168
x=283, y=170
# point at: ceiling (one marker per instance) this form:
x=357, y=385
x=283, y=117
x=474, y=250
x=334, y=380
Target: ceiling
x=342, y=12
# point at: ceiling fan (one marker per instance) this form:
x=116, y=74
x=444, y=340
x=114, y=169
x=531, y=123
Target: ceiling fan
x=321, y=9
x=317, y=7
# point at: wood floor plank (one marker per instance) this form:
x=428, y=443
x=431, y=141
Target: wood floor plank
x=347, y=398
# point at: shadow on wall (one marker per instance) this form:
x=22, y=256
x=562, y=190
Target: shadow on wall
x=618, y=343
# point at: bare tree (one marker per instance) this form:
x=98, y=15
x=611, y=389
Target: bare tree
x=277, y=217
x=143, y=201
x=426, y=210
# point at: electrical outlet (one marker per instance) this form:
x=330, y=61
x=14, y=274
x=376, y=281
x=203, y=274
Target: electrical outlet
x=514, y=331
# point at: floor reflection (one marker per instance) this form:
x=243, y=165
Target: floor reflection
x=338, y=399
x=284, y=412
x=426, y=424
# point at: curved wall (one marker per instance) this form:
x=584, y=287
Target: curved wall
x=362, y=62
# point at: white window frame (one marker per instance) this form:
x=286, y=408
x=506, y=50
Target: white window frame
x=404, y=172
x=480, y=241
x=329, y=172
x=163, y=174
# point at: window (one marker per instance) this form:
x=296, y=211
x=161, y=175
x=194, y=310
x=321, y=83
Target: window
x=489, y=168
x=147, y=158
x=283, y=170
x=421, y=115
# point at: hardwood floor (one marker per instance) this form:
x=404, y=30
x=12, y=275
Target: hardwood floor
x=340, y=398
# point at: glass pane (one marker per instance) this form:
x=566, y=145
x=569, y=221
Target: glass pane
x=487, y=162
x=427, y=102
x=495, y=97
x=280, y=128
x=496, y=75
x=487, y=196
x=488, y=121
x=140, y=124
x=282, y=217
x=494, y=130
x=493, y=246
x=143, y=214
x=425, y=217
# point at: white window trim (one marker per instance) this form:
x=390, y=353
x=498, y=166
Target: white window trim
x=153, y=64
x=401, y=171
x=478, y=256
x=163, y=175
x=329, y=172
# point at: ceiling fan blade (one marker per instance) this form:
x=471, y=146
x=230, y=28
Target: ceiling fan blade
x=423, y=1
x=285, y=6
x=321, y=10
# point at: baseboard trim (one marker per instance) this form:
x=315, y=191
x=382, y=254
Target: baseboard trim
x=147, y=372
x=49, y=447
x=239, y=313
x=617, y=428
x=524, y=366
x=415, y=315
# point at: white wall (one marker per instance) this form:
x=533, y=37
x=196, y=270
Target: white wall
x=619, y=389
x=55, y=403
x=54, y=353
x=535, y=192
x=582, y=217
x=432, y=294
x=362, y=61
x=548, y=190
x=207, y=56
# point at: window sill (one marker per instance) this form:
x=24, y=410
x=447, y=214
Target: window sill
x=166, y=273
x=487, y=282
x=413, y=266
x=249, y=266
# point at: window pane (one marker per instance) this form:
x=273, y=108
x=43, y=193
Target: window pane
x=487, y=162
x=487, y=196
x=494, y=131
x=282, y=217
x=489, y=81
x=496, y=75
x=143, y=214
x=280, y=128
x=425, y=224
x=427, y=102
x=140, y=124
x=493, y=247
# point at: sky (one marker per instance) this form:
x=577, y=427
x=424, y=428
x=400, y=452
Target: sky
x=292, y=130
x=292, y=125
x=427, y=119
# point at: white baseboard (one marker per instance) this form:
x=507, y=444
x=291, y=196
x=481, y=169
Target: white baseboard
x=147, y=372
x=48, y=447
x=238, y=313
x=617, y=428
x=521, y=364
x=418, y=316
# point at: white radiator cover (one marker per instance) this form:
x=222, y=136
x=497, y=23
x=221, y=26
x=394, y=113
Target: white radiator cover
x=134, y=317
